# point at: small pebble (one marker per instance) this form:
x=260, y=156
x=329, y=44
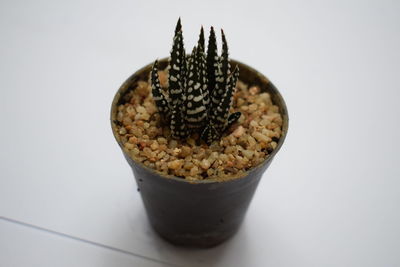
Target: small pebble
x=254, y=90
x=248, y=153
x=194, y=171
x=185, y=151
x=239, y=131
x=154, y=145
x=176, y=164
x=205, y=164
x=122, y=131
x=260, y=137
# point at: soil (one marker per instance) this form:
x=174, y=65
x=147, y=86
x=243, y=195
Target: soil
x=245, y=145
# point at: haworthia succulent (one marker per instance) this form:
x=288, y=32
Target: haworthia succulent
x=201, y=88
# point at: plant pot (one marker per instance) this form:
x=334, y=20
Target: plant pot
x=200, y=213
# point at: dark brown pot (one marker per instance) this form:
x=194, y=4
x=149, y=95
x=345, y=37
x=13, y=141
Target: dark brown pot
x=202, y=213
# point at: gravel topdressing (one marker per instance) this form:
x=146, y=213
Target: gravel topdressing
x=245, y=145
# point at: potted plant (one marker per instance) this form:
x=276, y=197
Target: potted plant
x=198, y=131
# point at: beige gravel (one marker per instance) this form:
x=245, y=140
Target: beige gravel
x=244, y=146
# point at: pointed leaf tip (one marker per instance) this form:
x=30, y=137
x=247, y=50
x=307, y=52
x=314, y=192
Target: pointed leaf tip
x=223, y=36
x=178, y=26
x=201, y=42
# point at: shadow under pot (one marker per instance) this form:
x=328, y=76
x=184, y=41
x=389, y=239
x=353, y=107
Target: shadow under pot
x=200, y=213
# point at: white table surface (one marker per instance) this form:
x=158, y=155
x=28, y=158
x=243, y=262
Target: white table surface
x=330, y=198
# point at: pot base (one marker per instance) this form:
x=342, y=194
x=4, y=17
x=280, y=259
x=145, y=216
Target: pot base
x=208, y=240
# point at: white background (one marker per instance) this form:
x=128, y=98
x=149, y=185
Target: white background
x=330, y=198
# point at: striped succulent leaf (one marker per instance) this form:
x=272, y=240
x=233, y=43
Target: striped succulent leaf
x=196, y=112
x=201, y=88
x=158, y=94
x=233, y=117
x=177, y=67
x=220, y=117
x=223, y=71
x=212, y=61
x=178, y=126
x=210, y=134
x=202, y=70
x=201, y=42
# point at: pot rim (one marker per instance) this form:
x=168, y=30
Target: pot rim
x=282, y=107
